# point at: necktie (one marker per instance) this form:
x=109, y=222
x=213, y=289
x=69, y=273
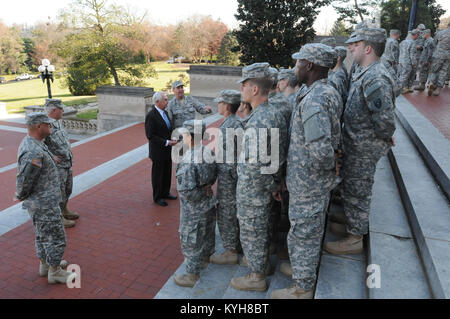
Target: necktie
x=166, y=119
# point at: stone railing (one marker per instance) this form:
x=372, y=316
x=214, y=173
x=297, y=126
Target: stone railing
x=80, y=126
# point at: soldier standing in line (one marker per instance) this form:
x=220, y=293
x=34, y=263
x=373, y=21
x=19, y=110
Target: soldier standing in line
x=369, y=125
x=338, y=76
x=392, y=50
x=440, y=65
x=425, y=59
x=182, y=108
x=257, y=178
x=287, y=84
x=195, y=176
x=408, y=62
x=229, y=141
x=59, y=145
x=311, y=168
x=38, y=186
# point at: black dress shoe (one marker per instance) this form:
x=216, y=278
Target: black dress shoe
x=162, y=203
x=171, y=197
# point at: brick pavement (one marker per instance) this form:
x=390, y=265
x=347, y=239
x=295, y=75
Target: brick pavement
x=435, y=108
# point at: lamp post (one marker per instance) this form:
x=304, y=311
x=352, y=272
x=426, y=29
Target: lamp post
x=47, y=70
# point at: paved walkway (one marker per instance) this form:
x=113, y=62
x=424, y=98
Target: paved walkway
x=434, y=108
x=126, y=246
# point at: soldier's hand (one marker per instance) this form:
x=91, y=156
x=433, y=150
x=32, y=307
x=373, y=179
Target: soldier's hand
x=277, y=196
x=57, y=159
x=209, y=191
x=208, y=109
x=173, y=143
x=393, y=141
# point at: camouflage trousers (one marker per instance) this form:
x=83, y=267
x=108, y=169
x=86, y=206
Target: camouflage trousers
x=50, y=234
x=66, y=184
x=226, y=211
x=358, y=178
x=197, y=239
x=407, y=75
x=279, y=221
x=254, y=235
x=307, y=217
x=424, y=70
x=439, y=71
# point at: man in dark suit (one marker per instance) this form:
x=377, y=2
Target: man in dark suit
x=158, y=129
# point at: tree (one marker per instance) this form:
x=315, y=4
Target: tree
x=354, y=11
x=339, y=29
x=99, y=38
x=395, y=15
x=228, y=52
x=12, y=58
x=272, y=30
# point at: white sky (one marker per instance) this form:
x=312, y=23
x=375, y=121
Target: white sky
x=159, y=12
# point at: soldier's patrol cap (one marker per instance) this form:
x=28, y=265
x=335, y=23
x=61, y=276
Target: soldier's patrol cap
x=317, y=53
x=255, y=71
x=329, y=41
x=193, y=126
x=415, y=32
x=274, y=74
x=229, y=96
x=54, y=103
x=427, y=31
x=377, y=35
x=395, y=31
x=38, y=118
x=421, y=27
x=286, y=74
x=341, y=51
x=177, y=84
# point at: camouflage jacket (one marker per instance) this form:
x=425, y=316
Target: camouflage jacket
x=315, y=137
x=392, y=51
x=184, y=110
x=229, y=143
x=37, y=181
x=427, y=52
x=369, y=120
x=59, y=144
x=442, y=39
x=339, y=80
x=408, y=52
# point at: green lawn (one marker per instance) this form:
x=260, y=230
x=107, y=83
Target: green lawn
x=17, y=95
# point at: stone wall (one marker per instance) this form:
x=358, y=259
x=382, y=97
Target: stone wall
x=119, y=106
x=207, y=80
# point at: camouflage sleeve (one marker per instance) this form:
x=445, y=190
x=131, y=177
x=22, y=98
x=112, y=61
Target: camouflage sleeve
x=378, y=95
x=29, y=170
x=395, y=51
x=199, y=107
x=317, y=126
x=413, y=53
x=169, y=110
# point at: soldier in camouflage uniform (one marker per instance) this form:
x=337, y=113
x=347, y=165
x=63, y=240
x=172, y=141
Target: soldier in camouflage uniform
x=59, y=145
x=425, y=59
x=182, y=108
x=329, y=41
x=258, y=178
x=230, y=134
x=37, y=185
x=287, y=83
x=369, y=124
x=338, y=76
x=440, y=63
x=420, y=42
x=195, y=176
x=311, y=171
x=392, y=50
x=408, y=62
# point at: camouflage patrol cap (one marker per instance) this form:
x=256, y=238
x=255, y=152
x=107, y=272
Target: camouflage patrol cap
x=38, y=118
x=376, y=35
x=329, y=41
x=395, y=31
x=54, y=103
x=255, y=71
x=341, y=51
x=177, y=84
x=286, y=74
x=421, y=27
x=415, y=32
x=229, y=96
x=193, y=127
x=317, y=53
x=427, y=31
x=274, y=74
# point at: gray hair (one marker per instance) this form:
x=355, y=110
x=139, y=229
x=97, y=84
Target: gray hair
x=158, y=96
x=49, y=108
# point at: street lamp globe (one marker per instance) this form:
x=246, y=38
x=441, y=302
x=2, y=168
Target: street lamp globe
x=41, y=69
x=51, y=68
x=45, y=62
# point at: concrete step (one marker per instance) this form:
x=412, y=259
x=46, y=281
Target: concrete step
x=427, y=209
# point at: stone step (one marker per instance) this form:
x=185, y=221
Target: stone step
x=427, y=209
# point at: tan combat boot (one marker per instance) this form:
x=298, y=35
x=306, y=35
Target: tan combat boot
x=230, y=257
x=44, y=267
x=293, y=292
x=286, y=269
x=60, y=276
x=68, y=223
x=205, y=261
x=352, y=244
x=187, y=280
x=405, y=91
x=437, y=91
x=69, y=214
x=431, y=88
x=420, y=87
x=251, y=282
x=338, y=229
x=268, y=271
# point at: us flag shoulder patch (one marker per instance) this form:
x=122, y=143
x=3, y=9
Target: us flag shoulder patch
x=36, y=162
